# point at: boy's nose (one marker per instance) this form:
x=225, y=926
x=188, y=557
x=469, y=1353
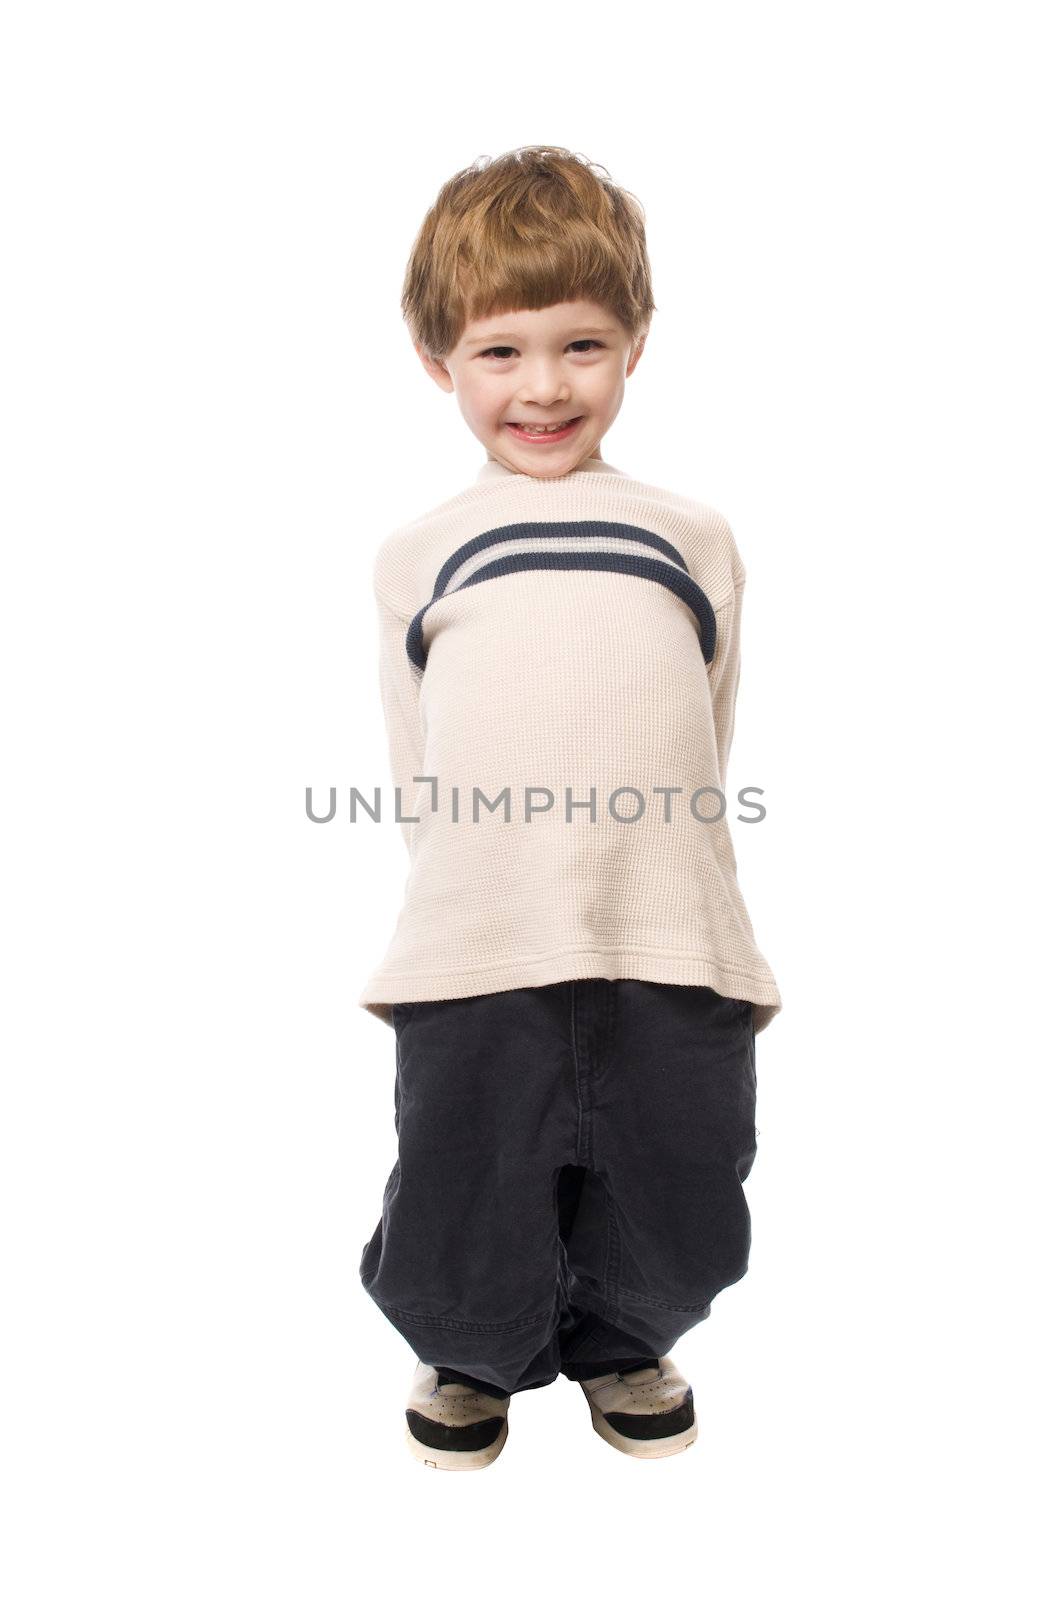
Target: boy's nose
x=545, y=388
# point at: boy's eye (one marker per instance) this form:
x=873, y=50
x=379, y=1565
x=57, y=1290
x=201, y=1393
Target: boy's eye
x=504, y=351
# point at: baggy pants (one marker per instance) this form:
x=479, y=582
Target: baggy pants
x=568, y=1194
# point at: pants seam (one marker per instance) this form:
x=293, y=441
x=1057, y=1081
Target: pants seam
x=661, y=1305
x=575, y=1068
x=612, y=1256
x=422, y=1319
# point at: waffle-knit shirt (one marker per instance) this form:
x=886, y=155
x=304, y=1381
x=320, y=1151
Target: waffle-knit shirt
x=555, y=653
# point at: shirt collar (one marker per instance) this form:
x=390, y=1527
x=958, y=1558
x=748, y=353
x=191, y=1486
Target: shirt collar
x=493, y=468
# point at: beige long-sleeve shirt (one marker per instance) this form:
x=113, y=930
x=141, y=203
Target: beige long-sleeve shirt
x=554, y=655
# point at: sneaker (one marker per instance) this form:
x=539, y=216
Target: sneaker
x=452, y=1425
x=647, y=1412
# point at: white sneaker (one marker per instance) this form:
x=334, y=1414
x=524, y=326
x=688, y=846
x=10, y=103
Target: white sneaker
x=452, y=1425
x=648, y=1412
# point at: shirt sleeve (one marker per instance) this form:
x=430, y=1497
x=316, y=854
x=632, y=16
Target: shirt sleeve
x=724, y=672
x=400, y=693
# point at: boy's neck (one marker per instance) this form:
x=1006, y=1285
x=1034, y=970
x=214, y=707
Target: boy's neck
x=493, y=468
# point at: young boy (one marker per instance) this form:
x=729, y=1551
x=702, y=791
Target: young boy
x=573, y=978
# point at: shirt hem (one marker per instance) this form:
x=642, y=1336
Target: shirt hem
x=382, y=992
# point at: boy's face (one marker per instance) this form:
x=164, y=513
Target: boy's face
x=517, y=367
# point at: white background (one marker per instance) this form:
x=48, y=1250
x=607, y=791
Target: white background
x=211, y=418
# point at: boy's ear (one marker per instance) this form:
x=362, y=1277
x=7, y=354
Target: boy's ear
x=636, y=353
x=435, y=369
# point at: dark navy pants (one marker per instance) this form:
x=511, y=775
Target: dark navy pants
x=568, y=1191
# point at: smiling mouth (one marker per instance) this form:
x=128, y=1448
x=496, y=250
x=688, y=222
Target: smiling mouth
x=541, y=431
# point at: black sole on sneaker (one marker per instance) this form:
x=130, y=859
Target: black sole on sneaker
x=456, y=1449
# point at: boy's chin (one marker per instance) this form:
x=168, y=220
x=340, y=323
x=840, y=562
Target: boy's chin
x=538, y=461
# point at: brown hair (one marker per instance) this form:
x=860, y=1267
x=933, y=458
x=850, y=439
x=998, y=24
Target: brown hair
x=520, y=231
